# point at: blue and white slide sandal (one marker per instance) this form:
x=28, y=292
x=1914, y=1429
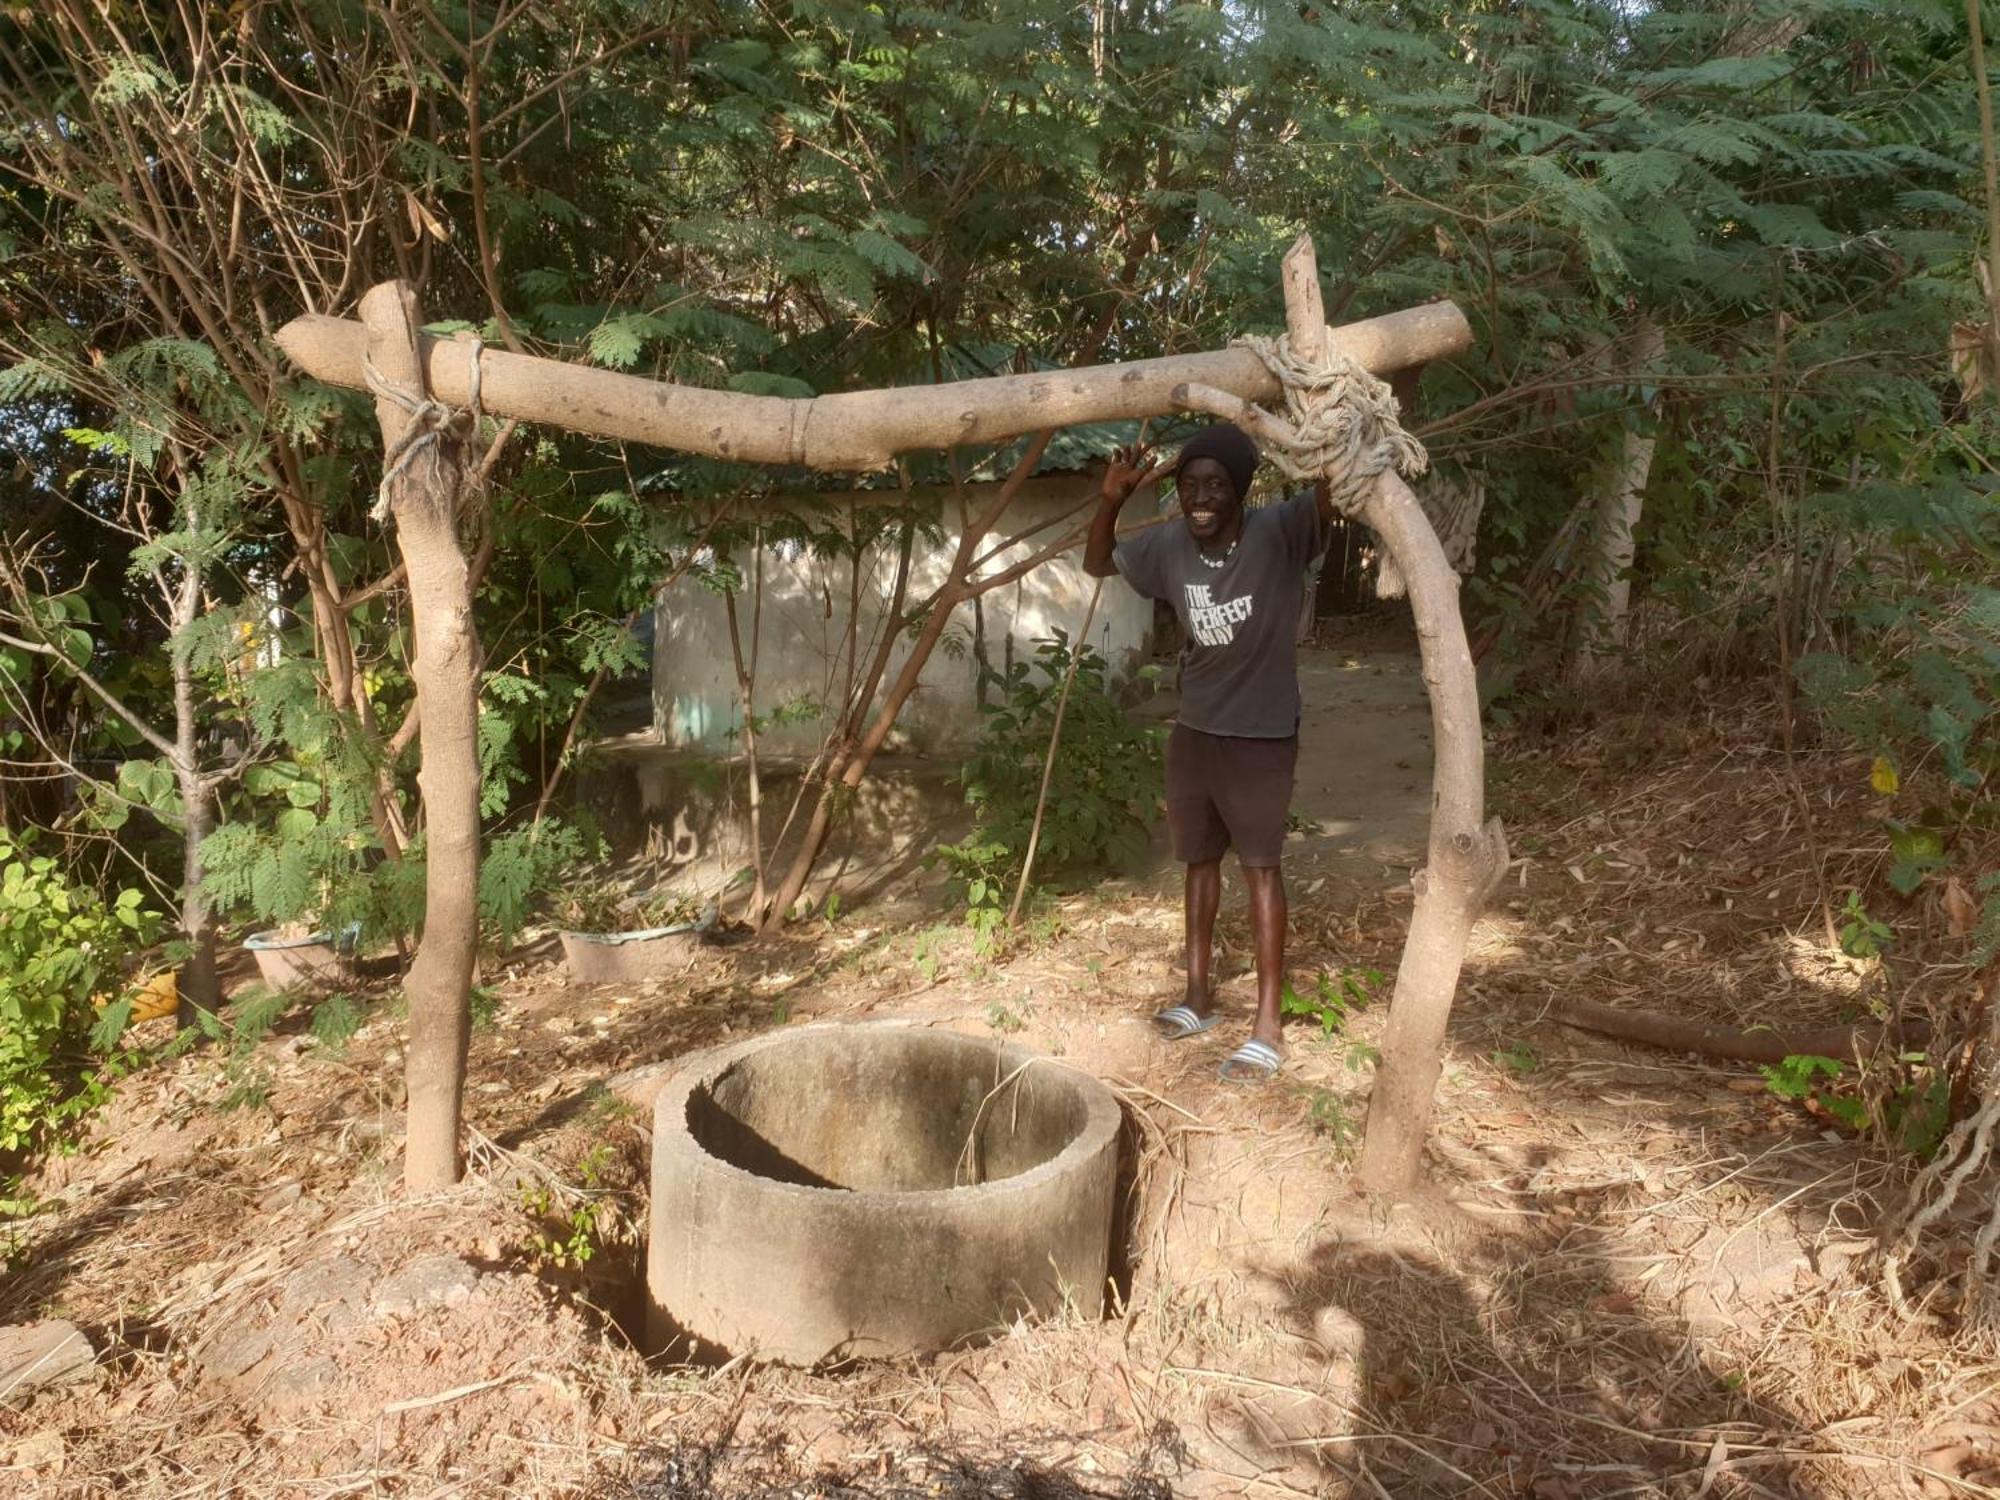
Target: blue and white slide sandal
x=1253, y=1062
x=1178, y=1022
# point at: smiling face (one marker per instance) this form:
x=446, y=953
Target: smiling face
x=1209, y=501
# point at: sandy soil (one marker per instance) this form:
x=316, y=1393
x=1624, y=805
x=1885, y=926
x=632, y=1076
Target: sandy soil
x=1630, y=1273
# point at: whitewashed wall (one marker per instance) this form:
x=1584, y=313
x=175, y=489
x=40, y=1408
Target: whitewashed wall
x=805, y=624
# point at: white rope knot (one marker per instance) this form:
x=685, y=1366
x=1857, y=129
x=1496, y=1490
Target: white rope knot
x=1347, y=422
x=431, y=422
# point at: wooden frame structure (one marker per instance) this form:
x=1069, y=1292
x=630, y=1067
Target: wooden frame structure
x=415, y=375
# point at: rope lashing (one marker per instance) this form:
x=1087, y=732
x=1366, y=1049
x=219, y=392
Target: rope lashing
x=1347, y=421
x=431, y=421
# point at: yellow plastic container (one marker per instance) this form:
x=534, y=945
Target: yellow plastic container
x=155, y=997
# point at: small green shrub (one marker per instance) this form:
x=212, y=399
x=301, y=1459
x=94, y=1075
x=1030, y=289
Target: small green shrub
x=1334, y=999
x=1861, y=936
x=985, y=869
x=1103, y=793
x=334, y=1022
x=1108, y=776
x=60, y=946
x=1329, y=1116
x=522, y=870
x=566, y=1235
x=1796, y=1078
x=1908, y=1104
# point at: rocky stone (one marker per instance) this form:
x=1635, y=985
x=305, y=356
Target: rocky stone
x=300, y=1382
x=235, y=1350
x=37, y=1356
x=428, y=1281
x=330, y=1294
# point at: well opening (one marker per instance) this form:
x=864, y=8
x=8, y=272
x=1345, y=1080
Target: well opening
x=836, y=1191
x=863, y=1114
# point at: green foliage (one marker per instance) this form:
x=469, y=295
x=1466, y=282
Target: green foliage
x=1861, y=936
x=61, y=946
x=985, y=868
x=1334, y=999
x=1908, y=1103
x=1794, y=1078
x=566, y=1235
x=525, y=868
x=334, y=1022
x=1102, y=794
x=1330, y=1115
x=1917, y=1113
x=792, y=200
x=924, y=953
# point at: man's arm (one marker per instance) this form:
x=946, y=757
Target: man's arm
x=1323, y=496
x=1128, y=469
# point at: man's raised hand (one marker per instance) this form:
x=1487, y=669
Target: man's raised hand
x=1129, y=468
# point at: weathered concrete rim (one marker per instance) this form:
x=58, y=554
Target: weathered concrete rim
x=1103, y=1118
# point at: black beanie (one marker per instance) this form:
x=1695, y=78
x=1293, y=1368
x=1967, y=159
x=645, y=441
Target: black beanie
x=1230, y=446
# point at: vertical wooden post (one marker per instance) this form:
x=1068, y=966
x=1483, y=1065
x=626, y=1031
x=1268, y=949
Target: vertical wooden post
x=1466, y=855
x=1305, y=310
x=424, y=497
x=1305, y=330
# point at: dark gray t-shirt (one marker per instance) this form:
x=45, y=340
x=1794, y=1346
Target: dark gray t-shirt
x=1239, y=673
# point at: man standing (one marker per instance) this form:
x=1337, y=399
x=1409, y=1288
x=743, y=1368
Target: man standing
x=1237, y=580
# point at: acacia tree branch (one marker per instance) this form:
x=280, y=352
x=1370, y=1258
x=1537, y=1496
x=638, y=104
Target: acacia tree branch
x=596, y=59
x=20, y=705
x=351, y=602
x=110, y=699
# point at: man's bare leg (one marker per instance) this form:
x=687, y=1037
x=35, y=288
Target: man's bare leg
x=1267, y=929
x=1204, y=895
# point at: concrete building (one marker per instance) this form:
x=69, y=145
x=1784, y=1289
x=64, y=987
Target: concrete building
x=808, y=623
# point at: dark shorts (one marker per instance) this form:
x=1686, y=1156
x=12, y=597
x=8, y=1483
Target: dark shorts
x=1225, y=791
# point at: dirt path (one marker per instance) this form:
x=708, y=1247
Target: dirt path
x=1364, y=765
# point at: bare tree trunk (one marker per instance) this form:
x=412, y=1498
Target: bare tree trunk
x=424, y=498
x=746, y=691
x=835, y=756
x=840, y=787
x=1466, y=859
x=1621, y=498
x=196, y=982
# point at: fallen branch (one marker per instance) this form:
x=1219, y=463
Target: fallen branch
x=1763, y=1044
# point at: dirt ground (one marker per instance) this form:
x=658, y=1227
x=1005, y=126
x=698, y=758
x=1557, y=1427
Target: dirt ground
x=1631, y=1273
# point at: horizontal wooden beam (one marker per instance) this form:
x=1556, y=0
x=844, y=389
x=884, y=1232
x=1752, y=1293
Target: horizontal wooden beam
x=854, y=430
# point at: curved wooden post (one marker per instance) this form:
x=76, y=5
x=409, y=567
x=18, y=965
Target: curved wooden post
x=1467, y=854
